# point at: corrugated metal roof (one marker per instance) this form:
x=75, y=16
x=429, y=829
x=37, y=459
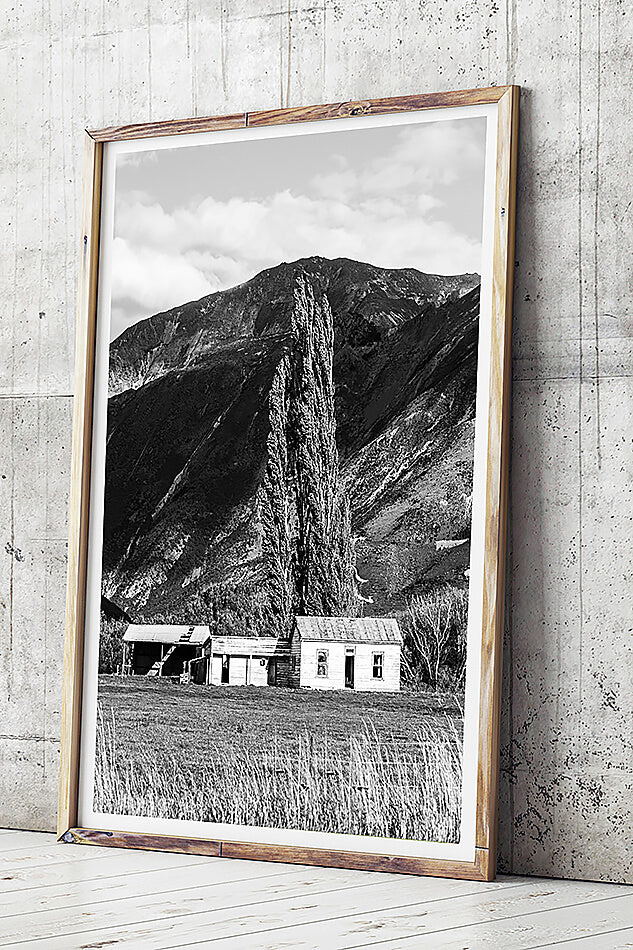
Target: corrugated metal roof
x=247, y=646
x=356, y=629
x=171, y=633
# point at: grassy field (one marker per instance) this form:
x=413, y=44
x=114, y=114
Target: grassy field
x=386, y=765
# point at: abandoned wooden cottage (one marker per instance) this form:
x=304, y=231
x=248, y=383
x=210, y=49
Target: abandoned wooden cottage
x=243, y=661
x=360, y=653
x=161, y=649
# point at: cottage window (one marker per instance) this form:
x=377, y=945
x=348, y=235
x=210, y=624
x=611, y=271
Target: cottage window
x=377, y=665
x=322, y=662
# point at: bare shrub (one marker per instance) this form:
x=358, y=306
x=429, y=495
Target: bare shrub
x=434, y=630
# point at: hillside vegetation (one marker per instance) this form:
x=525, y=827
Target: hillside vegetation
x=300, y=443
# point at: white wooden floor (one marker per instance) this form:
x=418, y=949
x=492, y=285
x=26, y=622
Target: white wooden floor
x=67, y=897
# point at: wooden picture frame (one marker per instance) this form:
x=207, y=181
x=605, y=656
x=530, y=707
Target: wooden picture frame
x=481, y=864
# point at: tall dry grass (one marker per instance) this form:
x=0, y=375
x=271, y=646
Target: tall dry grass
x=367, y=786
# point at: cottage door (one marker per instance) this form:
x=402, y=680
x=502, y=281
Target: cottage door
x=349, y=671
x=226, y=660
x=272, y=672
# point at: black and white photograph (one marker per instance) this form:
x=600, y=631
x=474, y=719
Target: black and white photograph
x=288, y=480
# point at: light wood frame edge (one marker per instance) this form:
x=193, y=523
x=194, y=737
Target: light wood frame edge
x=314, y=113
x=484, y=865
x=497, y=477
x=80, y=487
x=285, y=854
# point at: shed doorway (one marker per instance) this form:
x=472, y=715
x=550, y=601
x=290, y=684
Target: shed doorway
x=272, y=672
x=349, y=671
x=226, y=662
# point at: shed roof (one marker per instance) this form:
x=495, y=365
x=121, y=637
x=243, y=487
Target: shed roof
x=171, y=633
x=251, y=646
x=355, y=629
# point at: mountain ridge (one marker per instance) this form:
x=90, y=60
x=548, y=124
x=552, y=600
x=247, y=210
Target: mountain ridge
x=189, y=423
x=259, y=306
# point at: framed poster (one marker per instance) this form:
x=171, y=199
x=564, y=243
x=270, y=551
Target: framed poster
x=289, y=485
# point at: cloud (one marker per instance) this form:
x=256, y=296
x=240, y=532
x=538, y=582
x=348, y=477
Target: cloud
x=136, y=159
x=423, y=157
x=154, y=279
x=167, y=259
x=386, y=210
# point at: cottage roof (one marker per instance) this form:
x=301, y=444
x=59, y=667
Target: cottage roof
x=254, y=646
x=354, y=629
x=172, y=633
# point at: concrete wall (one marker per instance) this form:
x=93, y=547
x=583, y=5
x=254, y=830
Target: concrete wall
x=567, y=767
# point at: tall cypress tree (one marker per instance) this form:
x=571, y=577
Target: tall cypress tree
x=306, y=520
x=278, y=511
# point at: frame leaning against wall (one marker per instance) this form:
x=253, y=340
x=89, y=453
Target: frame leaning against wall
x=482, y=866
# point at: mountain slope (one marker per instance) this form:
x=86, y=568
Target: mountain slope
x=364, y=300
x=189, y=422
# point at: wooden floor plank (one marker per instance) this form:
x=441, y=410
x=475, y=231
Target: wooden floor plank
x=610, y=940
x=25, y=861
x=168, y=880
x=60, y=877
x=65, y=897
x=538, y=930
x=262, y=920
x=233, y=909
x=43, y=857
x=13, y=840
x=174, y=882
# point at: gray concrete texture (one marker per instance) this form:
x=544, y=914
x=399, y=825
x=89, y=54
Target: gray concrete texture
x=566, y=804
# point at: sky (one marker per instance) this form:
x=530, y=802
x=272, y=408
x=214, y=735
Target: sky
x=193, y=220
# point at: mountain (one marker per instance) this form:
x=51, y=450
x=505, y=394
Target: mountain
x=191, y=425
x=365, y=300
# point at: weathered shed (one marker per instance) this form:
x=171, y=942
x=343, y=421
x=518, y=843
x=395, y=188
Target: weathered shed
x=162, y=649
x=244, y=661
x=360, y=653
